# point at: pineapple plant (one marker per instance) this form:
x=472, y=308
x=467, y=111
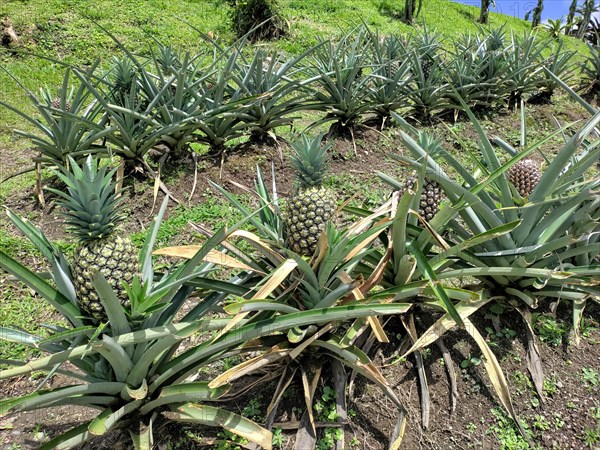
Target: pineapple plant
x=92, y=214
x=431, y=196
x=525, y=176
x=313, y=205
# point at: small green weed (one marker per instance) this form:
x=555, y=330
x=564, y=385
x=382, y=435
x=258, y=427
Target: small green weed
x=229, y=441
x=471, y=361
x=507, y=433
x=326, y=410
x=591, y=437
x=278, y=438
x=326, y=407
x=330, y=436
x=558, y=421
x=549, y=330
x=587, y=327
x=550, y=385
x=522, y=382
x=253, y=411
x=541, y=423
x=589, y=377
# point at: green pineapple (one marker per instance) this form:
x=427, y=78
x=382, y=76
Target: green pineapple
x=313, y=205
x=426, y=65
x=525, y=175
x=93, y=212
x=431, y=196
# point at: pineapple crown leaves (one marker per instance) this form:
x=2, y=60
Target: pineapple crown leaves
x=310, y=160
x=92, y=204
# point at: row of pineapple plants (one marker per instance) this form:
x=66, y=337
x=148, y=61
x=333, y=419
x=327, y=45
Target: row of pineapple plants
x=303, y=293
x=173, y=104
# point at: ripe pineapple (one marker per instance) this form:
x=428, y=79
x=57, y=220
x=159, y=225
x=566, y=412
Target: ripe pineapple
x=313, y=205
x=92, y=214
x=525, y=176
x=431, y=196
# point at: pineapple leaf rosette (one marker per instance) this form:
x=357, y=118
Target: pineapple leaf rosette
x=542, y=229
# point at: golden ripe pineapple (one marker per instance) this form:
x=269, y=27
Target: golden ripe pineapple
x=431, y=196
x=313, y=205
x=525, y=175
x=92, y=213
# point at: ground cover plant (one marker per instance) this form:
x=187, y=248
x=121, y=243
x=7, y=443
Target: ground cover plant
x=407, y=224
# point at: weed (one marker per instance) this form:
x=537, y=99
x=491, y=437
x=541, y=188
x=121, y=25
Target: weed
x=229, y=441
x=253, y=410
x=277, y=440
x=558, y=421
x=550, y=331
x=506, y=432
x=471, y=427
x=330, y=436
x=504, y=333
x=326, y=407
x=590, y=377
x=522, y=382
x=587, y=328
x=550, y=385
x=591, y=437
x=468, y=373
x=541, y=423
x=470, y=362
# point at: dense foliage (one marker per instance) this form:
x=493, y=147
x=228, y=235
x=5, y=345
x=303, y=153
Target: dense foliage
x=518, y=233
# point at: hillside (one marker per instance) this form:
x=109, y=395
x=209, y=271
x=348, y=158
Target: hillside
x=440, y=236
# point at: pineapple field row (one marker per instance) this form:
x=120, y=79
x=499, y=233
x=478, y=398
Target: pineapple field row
x=252, y=334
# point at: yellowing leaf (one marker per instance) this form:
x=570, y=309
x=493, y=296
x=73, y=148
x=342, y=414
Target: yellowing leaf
x=214, y=256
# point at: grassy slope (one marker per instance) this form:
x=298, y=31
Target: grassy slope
x=65, y=29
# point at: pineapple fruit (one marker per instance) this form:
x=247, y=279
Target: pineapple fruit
x=92, y=215
x=426, y=65
x=525, y=175
x=57, y=102
x=313, y=205
x=431, y=196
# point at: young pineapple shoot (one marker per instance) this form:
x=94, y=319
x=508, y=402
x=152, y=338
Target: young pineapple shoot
x=312, y=205
x=93, y=211
x=525, y=175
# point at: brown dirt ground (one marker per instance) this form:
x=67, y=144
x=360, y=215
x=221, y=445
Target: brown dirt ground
x=468, y=426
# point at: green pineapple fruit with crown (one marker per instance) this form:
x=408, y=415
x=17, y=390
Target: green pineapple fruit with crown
x=312, y=205
x=93, y=212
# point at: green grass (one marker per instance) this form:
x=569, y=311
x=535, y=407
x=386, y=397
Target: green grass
x=71, y=31
x=18, y=309
x=212, y=211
